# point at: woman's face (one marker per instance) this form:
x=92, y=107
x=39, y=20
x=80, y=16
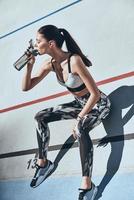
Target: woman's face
x=42, y=44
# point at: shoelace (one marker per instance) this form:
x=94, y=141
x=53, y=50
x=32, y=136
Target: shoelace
x=81, y=194
x=37, y=169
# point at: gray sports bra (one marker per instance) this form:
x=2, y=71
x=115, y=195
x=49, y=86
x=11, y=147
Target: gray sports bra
x=74, y=82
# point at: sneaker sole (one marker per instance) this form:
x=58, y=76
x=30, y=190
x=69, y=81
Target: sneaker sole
x=46, y=175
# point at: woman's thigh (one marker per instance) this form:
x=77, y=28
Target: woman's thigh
x=96, y=115
x=63, y=111
x=90, y=120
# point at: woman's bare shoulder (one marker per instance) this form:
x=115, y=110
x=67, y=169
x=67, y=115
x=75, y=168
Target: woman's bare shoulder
x=76, y=62
x=47, y=64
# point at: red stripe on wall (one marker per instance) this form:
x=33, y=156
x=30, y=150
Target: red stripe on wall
x=34, y=101
x=109, y=80
x=116, y=78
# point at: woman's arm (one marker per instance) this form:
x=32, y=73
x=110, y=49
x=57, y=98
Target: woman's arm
x=79, y=67
x=29, y=82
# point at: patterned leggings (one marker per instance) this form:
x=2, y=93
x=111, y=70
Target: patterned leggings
x=86, y=124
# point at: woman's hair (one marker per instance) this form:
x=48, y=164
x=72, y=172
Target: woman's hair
x=59, y=35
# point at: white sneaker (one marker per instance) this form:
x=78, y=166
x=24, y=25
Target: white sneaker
x=88, y=194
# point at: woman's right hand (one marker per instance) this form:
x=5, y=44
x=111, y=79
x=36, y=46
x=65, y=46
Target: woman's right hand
x=31, y=58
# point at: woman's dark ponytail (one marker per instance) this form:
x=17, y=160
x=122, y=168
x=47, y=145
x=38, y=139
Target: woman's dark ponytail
x=51, y=32
x=73, y=47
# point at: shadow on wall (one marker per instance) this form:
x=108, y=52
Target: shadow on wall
x=121, y=98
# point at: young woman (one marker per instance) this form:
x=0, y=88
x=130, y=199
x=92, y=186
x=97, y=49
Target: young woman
x=89, y=107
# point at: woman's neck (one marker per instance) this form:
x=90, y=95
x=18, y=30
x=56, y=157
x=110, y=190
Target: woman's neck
x=59, y=56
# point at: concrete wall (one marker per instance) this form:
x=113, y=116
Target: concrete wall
x=104, y=30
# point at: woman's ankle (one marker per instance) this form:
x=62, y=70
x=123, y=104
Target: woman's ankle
x=86, y=182
x=42, y=162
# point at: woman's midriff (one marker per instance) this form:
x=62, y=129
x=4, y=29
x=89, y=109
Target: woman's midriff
x=81, y=93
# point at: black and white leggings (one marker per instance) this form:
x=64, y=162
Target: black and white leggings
x=86, y=124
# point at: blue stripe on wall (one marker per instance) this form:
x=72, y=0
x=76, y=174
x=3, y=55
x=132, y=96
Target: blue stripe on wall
x=37, y=20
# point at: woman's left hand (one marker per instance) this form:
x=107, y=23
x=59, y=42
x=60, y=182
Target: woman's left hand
x=75, y=130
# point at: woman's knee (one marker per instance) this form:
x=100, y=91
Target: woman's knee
x=37, y=116
x=82, y=130
x=43, y=114
x=79, y=131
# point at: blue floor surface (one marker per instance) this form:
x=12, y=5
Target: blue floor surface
x=120, y=187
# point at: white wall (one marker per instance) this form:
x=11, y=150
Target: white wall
x=104, y=30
